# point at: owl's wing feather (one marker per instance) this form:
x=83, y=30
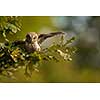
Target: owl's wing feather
x=18, y=42
x=43, y=37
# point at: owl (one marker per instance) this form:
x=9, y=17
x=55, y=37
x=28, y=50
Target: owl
x=33, y=40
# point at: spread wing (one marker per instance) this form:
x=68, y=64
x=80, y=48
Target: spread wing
x=18, y=42
x=43, y=37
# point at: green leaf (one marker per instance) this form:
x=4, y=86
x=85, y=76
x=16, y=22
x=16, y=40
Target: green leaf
x=4, y=34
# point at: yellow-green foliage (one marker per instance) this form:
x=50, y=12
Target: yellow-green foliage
x=9, y=25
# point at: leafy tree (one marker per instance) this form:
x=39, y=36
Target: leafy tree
x=9, y=25
x=13, y=57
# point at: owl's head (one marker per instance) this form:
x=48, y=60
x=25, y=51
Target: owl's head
x=31, y=37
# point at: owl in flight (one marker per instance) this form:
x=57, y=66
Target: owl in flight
x=33, y=41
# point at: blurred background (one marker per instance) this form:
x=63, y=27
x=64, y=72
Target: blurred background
x=85, y=66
